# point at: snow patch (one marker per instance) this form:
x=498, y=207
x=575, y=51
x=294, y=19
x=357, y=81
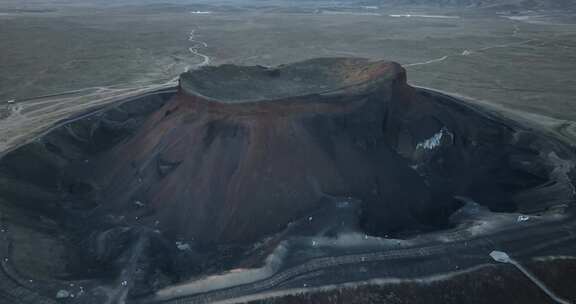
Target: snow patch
x=62, y=294
x=183, y=246
x=434, y=141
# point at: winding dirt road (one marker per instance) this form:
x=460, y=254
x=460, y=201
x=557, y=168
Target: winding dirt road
x=469, y=52
x=195, y=50
x=25, y=119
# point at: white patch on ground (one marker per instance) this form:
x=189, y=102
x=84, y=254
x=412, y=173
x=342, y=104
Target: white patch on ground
x=183, y=246
x=434, y=141
x=231, y=278
x=523, y=218
x=534, y=19
x=62, y=294
x=517, y=18
x=500, y=256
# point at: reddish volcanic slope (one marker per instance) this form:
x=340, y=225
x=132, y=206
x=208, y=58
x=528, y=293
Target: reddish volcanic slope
x=232, y=169
x=240, y=152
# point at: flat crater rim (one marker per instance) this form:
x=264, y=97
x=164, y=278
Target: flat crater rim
x=229, y=83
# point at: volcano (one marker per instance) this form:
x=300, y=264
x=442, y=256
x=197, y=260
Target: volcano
x=239, y=154
x=241, y=160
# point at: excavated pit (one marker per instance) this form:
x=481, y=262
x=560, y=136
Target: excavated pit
x=240, y=152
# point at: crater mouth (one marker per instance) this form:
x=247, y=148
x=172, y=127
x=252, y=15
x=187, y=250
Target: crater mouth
x=246, y=172
x=259, y=83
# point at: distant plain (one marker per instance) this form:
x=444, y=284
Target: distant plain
x=525, y=61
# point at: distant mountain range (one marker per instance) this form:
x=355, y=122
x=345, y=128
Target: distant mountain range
x=501, y=4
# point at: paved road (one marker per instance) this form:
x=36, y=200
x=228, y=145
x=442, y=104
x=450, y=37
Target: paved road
x=543, y=236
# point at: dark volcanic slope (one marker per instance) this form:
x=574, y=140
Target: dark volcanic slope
x=234, y=156
x=237, y=169
x=245, y=170
x=238, y=153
